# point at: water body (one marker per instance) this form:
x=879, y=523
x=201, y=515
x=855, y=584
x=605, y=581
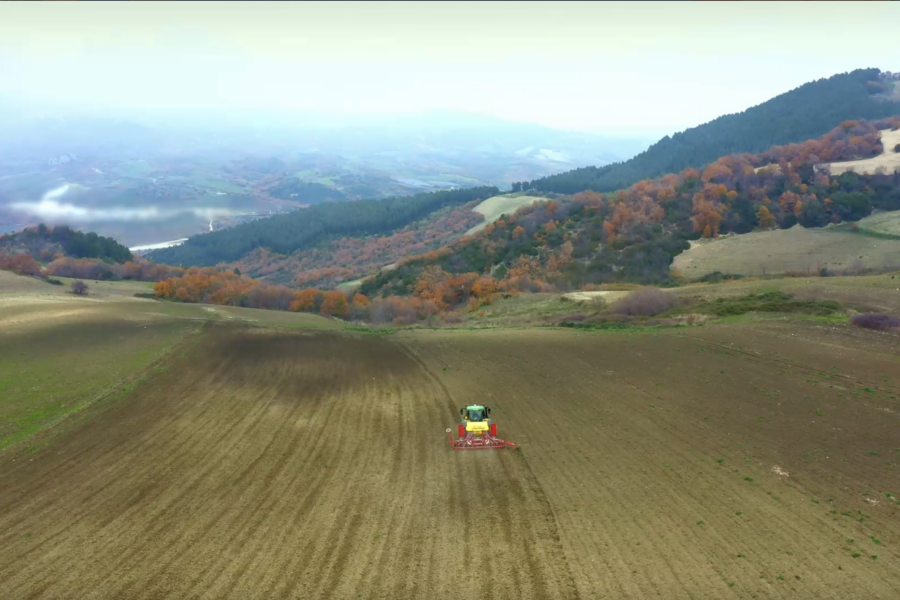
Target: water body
x=159, y=246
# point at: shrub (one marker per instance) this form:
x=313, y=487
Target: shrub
x=718, y=276
x=645, y=302
x=21, y=264
x=767, y=302
x=876, y=321
x=79, y=287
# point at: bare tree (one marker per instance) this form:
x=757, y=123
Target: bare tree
x=80, y=288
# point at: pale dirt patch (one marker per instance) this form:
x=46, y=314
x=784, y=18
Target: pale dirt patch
x=588, y=296
x=494, y=208
x=780, y=472
x=889, y=160
x=215, y=311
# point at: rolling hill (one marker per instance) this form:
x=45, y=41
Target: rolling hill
x=806, y=112
x=304, y=229
x=590, y=239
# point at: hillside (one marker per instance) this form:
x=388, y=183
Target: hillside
x=303, y=229
x=494, y=208
x=806, y=112
x=45, y=243
x=633, y=236
x=882, y=223
x=797, y=250
x=889, y=160
x=348, y=258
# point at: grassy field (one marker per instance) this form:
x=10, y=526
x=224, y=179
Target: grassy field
x=788, y=250
x=48, y=373
x=60, y=353
x=884, y=223
x=872, y=293
x=889, y=160
x=494, y=208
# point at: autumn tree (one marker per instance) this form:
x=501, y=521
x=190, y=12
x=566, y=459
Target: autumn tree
x=308, y=300
x=23, y=264
x=764, y=218
x=360, y=300
x=334, y=304
x=706, y=217
x=788, y=201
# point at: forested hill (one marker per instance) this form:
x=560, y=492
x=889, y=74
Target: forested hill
x=309, y=226
x=44, y=243
x=806, y=112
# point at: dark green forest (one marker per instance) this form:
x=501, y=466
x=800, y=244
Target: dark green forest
x=806, y=112
x=307, y=227
x=72, y=243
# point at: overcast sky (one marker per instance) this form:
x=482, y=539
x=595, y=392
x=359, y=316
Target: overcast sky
x=615, y=67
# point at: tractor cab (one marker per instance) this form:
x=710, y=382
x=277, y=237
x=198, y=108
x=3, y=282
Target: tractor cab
x=475, y=413
x=476, y=418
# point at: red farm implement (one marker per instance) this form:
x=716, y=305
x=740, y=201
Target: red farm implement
x=477, y=432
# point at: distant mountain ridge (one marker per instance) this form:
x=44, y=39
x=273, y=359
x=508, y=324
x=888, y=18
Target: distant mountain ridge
x=807, y=112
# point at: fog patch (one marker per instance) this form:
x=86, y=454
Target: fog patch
x=50, y=208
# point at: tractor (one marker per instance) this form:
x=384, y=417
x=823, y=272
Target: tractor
x=476, y=431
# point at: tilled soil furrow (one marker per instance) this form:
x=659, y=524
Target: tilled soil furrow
x=315, y=465
x=628, y=456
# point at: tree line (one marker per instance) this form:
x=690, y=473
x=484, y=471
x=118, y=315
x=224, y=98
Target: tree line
x=590, y=238
x=633, y=235
x=806, y=112
x=43, y=242
x=305, y=228
x=337, y=260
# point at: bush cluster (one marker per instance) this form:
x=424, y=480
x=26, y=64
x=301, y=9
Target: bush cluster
x=876, y=321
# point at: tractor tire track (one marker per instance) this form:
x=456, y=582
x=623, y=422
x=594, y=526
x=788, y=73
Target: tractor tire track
x=274, y=465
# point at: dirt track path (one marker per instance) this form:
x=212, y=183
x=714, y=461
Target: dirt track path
x=277, y=466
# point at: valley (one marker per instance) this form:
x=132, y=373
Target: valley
x=261, y=266
x=151, y=180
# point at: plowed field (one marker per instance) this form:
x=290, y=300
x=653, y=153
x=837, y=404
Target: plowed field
x=734, y=462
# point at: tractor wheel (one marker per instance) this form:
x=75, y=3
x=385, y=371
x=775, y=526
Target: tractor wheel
x=493, y=430
x=462, y=431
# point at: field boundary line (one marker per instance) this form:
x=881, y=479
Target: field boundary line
x=191, y=337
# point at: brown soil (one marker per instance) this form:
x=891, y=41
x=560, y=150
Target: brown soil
x=277, y=466
x=315, y=465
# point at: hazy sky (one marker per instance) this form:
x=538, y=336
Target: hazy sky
x=616, y=67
